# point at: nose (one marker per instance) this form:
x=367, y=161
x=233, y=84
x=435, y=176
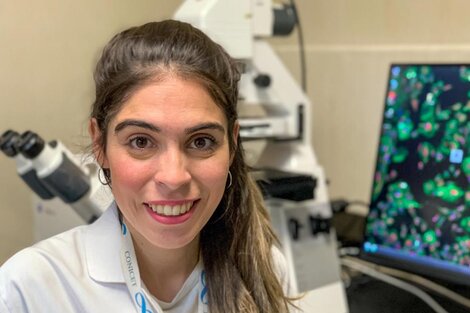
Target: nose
x=172, y=171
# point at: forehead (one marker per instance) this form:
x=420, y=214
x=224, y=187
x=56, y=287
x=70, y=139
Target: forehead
x=172, y=102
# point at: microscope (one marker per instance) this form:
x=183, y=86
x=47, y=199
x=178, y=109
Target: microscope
x=57, y=177
x=275, y=112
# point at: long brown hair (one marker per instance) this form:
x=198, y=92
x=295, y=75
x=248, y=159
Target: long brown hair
x=236, y=243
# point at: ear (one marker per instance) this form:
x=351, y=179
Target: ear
x=96, y=141
x=235, y=132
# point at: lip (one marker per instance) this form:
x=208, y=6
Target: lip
x=171, y=220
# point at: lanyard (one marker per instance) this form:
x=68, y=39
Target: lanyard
x=131, y=273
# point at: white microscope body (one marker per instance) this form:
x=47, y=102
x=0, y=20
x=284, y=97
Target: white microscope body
x=285, y=125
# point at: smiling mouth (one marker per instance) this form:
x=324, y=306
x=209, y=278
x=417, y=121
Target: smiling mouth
x=171, y=210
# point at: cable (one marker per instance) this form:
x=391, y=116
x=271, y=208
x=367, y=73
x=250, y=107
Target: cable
x=348, y=262
x=349, y=251
x=426, y=283
x=303, y=67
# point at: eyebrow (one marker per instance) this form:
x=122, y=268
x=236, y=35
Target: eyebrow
x=204, y=126
x=151, y=127
x=136, y=123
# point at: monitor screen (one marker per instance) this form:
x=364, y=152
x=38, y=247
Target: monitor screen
x=419, y=218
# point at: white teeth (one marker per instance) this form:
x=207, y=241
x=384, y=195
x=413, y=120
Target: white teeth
x=176, y=210
x=171, y=210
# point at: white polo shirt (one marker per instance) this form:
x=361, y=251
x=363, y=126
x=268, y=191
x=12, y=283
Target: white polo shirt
x=80, y=271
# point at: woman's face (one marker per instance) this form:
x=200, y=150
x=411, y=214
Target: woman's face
x=168, y=154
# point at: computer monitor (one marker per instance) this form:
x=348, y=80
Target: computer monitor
x=419, y=218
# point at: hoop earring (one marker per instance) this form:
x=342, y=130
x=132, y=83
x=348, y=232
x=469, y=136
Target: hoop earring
x=102, y=172
x=229, y=180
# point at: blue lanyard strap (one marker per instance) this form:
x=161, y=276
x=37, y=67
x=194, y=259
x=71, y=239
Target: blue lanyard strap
x=131, y=274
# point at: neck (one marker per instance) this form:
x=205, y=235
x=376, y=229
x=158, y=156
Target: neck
x=164, y=271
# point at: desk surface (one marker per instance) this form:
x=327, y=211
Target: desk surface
x=367, y=295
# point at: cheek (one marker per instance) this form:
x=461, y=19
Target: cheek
x=131, y=176
x=213, y=176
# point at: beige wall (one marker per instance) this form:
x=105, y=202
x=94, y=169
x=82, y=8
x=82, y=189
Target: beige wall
x=48, y=49
x=47, y=54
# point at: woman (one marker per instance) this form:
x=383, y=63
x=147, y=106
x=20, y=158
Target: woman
x=188, y=231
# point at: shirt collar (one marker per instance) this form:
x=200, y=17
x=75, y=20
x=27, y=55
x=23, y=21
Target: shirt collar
x=102, y=246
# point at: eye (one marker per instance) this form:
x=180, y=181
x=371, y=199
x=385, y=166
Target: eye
x=140, y=143
x=203, y=143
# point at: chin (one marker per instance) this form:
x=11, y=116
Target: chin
x=171, y=242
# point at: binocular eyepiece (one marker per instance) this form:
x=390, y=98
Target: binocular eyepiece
x=29, y=144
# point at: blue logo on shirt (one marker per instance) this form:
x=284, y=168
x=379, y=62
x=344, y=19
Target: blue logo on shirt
x=204, y=288
x=140, y=300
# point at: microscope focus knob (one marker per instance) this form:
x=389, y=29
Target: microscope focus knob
x=294, y=228
x=319, y=225
x=262, y=80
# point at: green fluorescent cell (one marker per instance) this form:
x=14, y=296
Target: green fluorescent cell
x=405, y=126
x=411, y=73
x=425, y=150
x=439, y=180
x=457, y=106
x=428, y=129
x=466, y=108
x=427, y=112
x=444, y=147
x=403, y=185
x=428, y=187
x=461, y=117
x=450, y=192
x=431, y=98
x=400, y=155
x=465, y=223
x=443, y=115
x=430, y=236
x=426, y=74
x=401, y=197
x=464, y=241
x=466, y=166
x=452, y=125
x=465, y=75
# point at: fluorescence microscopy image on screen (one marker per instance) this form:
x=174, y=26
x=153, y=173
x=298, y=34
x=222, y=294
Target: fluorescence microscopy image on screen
x=420, y=202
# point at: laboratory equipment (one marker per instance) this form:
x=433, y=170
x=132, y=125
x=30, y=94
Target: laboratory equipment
x=274, y=108
x=24, y=167
x=54, y=173
x=419, y=217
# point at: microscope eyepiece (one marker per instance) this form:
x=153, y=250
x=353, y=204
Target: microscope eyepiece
x=30, y=144
x=8, y=143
